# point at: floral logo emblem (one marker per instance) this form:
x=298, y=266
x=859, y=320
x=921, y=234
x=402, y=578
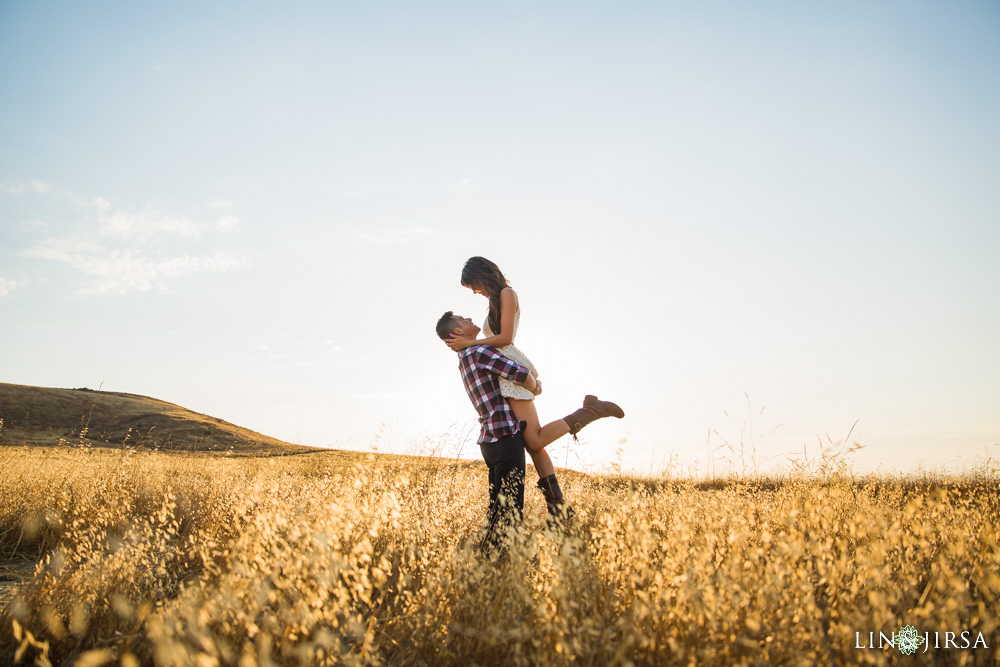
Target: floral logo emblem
x=908, y=639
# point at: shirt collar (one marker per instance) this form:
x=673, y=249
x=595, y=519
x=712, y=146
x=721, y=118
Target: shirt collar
x=464, y=352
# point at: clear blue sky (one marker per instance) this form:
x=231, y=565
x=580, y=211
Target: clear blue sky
x=259, y=213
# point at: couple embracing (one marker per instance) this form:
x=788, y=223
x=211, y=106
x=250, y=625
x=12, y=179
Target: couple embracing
x=502, y=384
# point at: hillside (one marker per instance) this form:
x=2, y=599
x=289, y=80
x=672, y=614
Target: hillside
x=84, y=417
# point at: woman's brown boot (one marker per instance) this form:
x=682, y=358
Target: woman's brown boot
x=592, y=409
x=558, y=509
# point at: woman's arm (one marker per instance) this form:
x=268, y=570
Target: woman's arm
x=508, y=305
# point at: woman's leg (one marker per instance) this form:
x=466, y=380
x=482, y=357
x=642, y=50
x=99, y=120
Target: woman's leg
x=543, y=463
x=536, y=436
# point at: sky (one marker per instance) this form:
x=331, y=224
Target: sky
x=772, y=222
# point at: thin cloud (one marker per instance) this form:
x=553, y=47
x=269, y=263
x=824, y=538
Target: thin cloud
x=9, y=285
x=19, y=188
x=119, y=251
x=140, y=226
x=120, y=271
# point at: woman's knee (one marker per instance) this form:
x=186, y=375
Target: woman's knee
x=533, y=439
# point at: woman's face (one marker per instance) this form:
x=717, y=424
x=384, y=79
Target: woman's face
x=479, y=289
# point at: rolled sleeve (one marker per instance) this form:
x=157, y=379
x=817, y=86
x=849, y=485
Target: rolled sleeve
x=490, y=360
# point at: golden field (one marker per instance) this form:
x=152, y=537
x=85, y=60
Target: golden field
x=140, y=557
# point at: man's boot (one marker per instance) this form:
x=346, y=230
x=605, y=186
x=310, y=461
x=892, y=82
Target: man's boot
x=558, y=509
x=592, y=410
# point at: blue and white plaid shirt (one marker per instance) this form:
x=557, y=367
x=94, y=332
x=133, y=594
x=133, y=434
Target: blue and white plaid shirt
x=481, y=365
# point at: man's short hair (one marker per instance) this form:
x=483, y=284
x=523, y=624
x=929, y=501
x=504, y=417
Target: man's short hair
x=446, y=325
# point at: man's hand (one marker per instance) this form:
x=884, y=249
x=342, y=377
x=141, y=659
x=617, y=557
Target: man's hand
x=533, y=385
x=538, y=387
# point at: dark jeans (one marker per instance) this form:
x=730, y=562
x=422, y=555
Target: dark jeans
x=505, y=459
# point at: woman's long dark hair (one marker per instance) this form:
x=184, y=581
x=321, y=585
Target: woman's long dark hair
x=481, y=272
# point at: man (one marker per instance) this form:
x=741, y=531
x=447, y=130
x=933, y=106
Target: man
x=500, y=438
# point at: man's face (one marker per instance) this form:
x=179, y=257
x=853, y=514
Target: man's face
x=465, y=327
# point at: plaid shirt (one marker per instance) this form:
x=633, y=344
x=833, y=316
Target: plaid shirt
x=480, y=366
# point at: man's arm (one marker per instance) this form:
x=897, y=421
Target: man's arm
x=490, y=360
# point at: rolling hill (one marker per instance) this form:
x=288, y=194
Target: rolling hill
x=85, y=417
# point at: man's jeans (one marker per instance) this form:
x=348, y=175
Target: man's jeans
x=505, y=460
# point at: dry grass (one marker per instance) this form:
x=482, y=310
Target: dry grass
x=169, y=559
